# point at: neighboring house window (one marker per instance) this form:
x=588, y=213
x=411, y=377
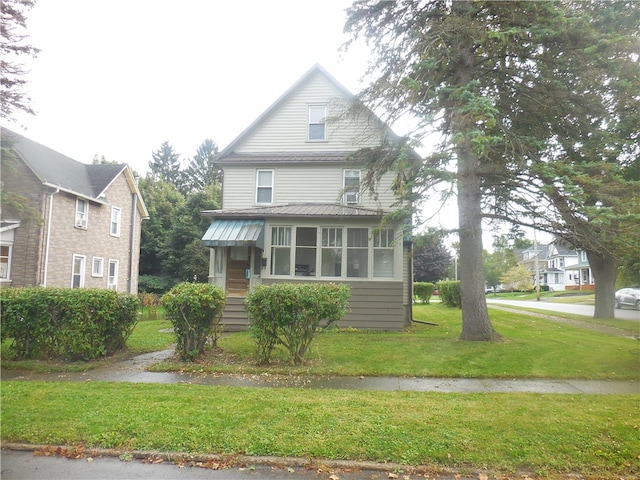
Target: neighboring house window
x=281, y=250
x=317, y=119
x=115, y=221
x=358, y=252
x=77, y=276
x=112, y=278
x=331, y=252
x=5, y=262
x=97, y=266
x=383, y=252
x=264, y=186
x=82, y=213
x=306, y=242
x=351, y=185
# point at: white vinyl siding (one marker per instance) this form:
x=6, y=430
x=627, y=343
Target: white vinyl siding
x=299, y=184
x=286, y=129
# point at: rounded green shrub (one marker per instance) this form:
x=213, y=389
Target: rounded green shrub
x=194, y=309
x=292, y=315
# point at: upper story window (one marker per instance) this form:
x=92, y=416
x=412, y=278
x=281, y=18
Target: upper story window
x=82, y=213
x=5, y=262
x=115, y=221
x=264, y=186
x=317, y=122
x=351, y=185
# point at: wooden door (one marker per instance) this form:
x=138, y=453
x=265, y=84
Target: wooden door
x=237, y=266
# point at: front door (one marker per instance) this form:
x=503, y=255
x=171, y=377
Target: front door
x=238, y=264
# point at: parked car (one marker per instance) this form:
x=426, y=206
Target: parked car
x=629, y=297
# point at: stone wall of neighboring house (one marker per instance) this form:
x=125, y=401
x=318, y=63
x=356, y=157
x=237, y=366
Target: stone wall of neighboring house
x=94, y=242
x=27, y=245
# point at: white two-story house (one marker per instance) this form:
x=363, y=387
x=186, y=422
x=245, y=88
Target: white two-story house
x=293, y=209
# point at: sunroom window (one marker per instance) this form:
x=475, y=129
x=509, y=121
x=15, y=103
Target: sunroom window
x=383, y=252
x=358, y=252
x=281, y=251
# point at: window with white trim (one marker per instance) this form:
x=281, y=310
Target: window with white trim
x=116, y=214
x=5, y=262
x=317, y=123
x=358, y=252
x=306, y=242
x=77, y=274
x=264, y=186
x=112, y=275
x=383, y=240
x=280, y=250
x=97, y=265
x=82, y=213
x=331, y=252
x=351, y=186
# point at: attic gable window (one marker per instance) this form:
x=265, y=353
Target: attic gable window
x=317, y=122
x=264, y=187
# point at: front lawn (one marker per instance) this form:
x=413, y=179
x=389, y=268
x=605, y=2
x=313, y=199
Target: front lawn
x=593, y=436
x=532, y=348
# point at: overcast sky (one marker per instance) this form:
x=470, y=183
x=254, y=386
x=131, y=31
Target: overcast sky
x=116, y=78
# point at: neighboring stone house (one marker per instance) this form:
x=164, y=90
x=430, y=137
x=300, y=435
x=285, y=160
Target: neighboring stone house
x=81, y=224
x=293, y=209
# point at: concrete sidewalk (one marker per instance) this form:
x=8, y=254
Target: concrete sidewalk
x=134, y=370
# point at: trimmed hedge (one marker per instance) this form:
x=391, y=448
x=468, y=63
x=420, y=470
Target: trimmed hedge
x=67, y=323
x=449, y=293
x=194, y=310
x=423, y=290
x=292, y=315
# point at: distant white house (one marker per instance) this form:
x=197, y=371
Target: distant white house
x=559, y=267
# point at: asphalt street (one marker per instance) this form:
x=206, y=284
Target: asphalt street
x=586, y=310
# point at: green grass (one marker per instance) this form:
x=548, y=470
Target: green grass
x=148, y=336
x=532, y=348
x=593, y=435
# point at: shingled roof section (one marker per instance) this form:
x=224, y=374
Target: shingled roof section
x=296, y=210
x=56, y=169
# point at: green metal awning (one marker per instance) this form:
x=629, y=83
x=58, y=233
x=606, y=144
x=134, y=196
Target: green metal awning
x=224, y=232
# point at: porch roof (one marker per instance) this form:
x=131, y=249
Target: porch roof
x=224, y=232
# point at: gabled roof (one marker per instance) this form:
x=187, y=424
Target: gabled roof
x=296, y=210
x=316, y=69
x=56, y=170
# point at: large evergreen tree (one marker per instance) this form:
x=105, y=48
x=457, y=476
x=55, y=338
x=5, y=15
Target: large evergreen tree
x=202, y=169
x=13, y=45
x=485, y=75
x=165, y=165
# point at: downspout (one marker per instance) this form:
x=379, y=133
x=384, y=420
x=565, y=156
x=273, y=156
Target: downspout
x=134, y=211
x=48, y=241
